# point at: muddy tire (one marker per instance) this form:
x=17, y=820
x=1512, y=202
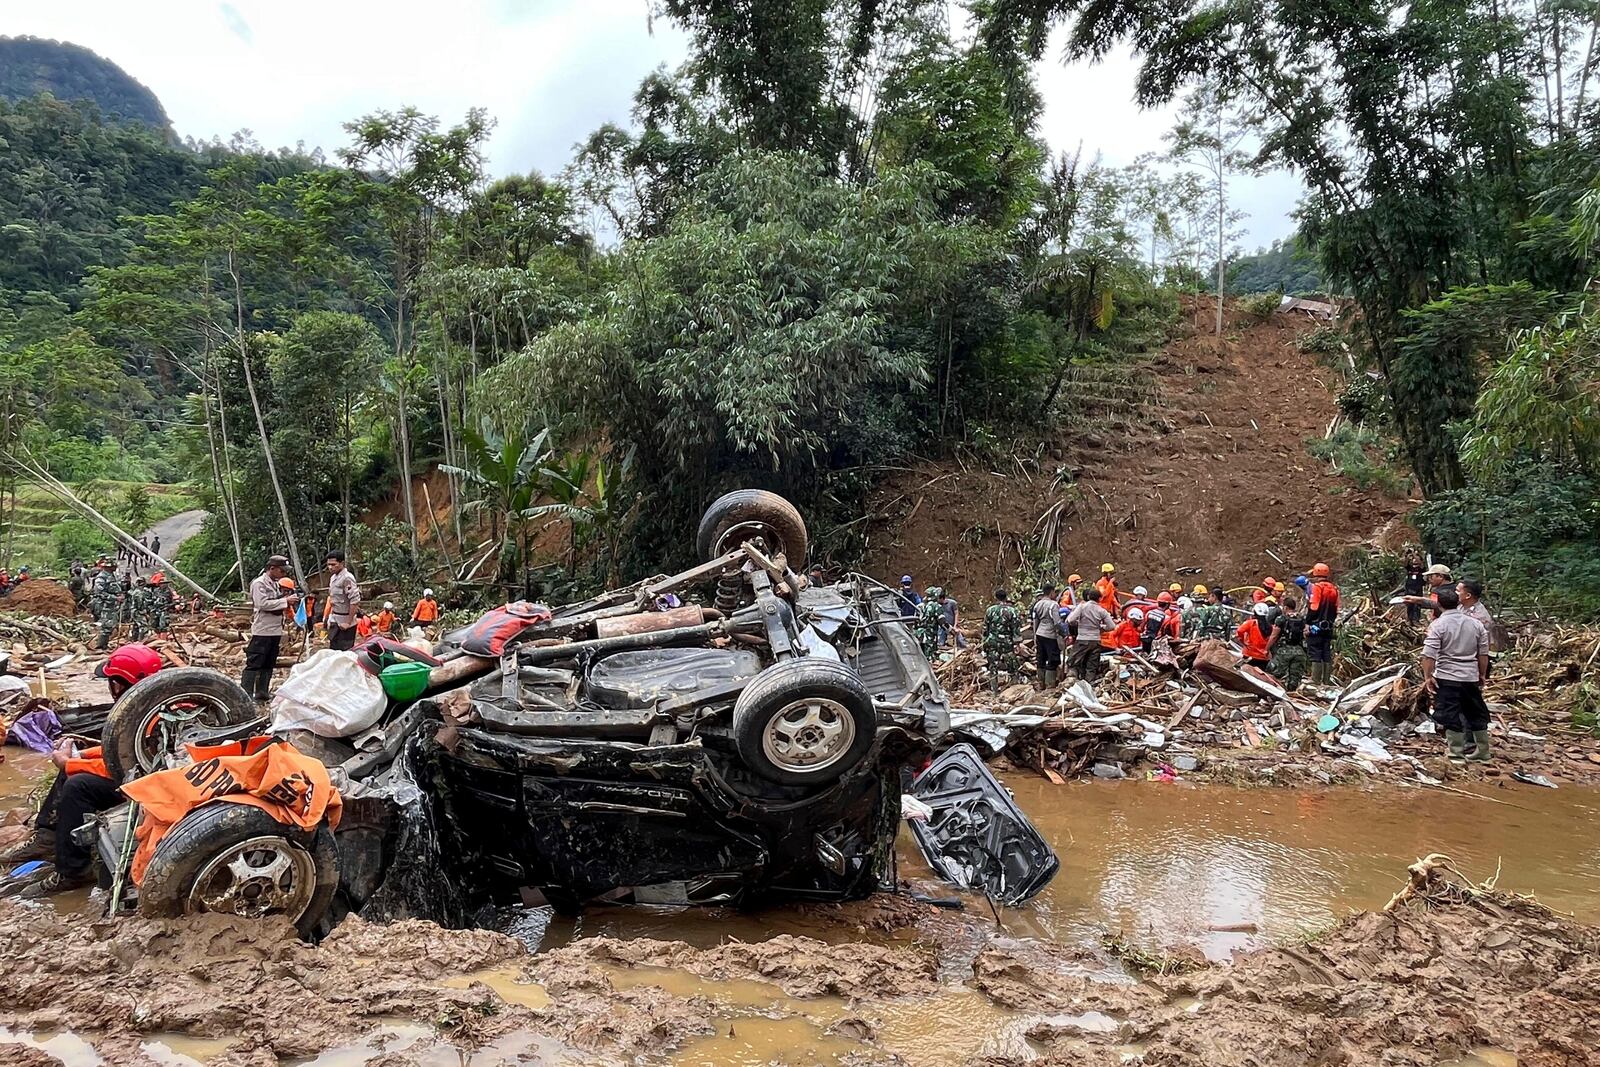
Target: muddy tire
x=804, y=722
x=235, y=859
x=143, y=726
x=736, y=517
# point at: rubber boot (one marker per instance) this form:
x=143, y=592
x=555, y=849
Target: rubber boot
x=250, y=681
x=1049, y=679
x=1455, y=745
x=1479, y=752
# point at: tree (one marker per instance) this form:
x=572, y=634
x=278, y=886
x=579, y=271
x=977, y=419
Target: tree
x=418, y=176
x=507, y=474
x=322, y=372
x=136, y=509
x=1210, y=132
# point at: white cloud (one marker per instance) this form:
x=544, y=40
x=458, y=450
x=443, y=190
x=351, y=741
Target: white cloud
x=548, y=71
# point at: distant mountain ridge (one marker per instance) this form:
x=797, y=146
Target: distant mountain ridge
x=33, y=65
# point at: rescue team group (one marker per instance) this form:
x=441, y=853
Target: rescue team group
x=1288, y=629
x=1286, y=626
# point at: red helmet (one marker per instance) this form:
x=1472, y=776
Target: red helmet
x=1319, y=570
x=157, y=578
x=131, y=663
x=1164, y=598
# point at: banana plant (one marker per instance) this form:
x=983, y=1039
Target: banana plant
x=506, y=473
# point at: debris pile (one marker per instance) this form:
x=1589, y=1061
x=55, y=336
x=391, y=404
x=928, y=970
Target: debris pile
x=1196, y=706
x=41, y=596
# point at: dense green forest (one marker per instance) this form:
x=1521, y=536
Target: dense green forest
x=31, y=66
x=831, y=239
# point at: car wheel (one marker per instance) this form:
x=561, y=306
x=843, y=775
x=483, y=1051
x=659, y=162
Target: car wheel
x=736, y=517
x=235, y=859
x=804, y=722
x=144, y=725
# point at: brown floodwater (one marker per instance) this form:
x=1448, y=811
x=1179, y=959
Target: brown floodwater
x=1163, y=864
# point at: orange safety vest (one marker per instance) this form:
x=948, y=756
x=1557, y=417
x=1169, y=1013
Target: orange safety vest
x=88, y=761
x=427, y=610
x=385, y=621
x=1107, y=588
x=1126, y=635
x=363, y=626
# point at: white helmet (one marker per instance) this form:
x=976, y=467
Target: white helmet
x=1263, y=609
x=1185, y=603
x=388, y=605
x=1140, y=590
x=427, y=592
x=1135, y=614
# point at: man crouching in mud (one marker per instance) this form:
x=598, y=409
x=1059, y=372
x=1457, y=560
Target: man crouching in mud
x=82, y=787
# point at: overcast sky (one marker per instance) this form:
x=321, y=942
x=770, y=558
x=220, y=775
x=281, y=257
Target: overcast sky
x=548, y=71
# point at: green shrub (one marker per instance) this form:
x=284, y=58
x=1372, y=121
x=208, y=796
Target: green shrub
x=1362, y=456
x=1366, y=400
x=1530, y=535
x=1320, y=341
x=76, y=539
x=1260, y=306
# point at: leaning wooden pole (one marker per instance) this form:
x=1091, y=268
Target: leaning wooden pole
x=65, y=494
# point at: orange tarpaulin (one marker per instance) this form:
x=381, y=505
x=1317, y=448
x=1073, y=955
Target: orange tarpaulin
x=275, y=777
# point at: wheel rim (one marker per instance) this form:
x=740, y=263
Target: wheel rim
x=740, y=532
x=809, y=735
x=261, y=876
x=158, y=730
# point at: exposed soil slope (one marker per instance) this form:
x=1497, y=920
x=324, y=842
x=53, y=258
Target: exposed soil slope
x=1195, y=459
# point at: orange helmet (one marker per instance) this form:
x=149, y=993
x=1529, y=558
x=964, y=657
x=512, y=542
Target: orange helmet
x=1074, y=579
x=1320, y=570
x=1164, y=598
x=157, y=578
x=285, y=583
x=1270, y=583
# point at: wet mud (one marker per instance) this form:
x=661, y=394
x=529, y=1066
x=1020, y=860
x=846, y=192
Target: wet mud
x=1110, y=965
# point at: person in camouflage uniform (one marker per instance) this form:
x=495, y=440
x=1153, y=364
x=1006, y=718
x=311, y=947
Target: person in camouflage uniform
x=1289, y=659
x=161, y=603
x=1002, y=629
x=105, y=600
x=139, y=608
x=930, y=616
x=1214, y=620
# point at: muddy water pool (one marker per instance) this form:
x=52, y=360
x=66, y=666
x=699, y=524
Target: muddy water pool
x=1168, y=864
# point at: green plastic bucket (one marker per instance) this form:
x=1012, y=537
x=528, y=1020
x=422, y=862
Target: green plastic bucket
x=404, y=681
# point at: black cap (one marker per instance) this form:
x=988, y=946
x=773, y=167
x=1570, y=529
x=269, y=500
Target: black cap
x=277, y=561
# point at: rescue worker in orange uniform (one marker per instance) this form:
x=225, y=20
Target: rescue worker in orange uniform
x=1322, y=614
x=426, y=613
x=1106, y=588
x=384, y=621
x=1129, y=632
x=1257, y=635
x=82, y=787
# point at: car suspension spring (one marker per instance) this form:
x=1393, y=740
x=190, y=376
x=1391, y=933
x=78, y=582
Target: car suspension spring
x=730, y=586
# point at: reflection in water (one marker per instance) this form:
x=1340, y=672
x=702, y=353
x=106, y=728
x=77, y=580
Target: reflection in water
x=1170, y=863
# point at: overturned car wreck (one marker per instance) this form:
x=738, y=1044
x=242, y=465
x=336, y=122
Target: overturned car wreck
x=727, y=734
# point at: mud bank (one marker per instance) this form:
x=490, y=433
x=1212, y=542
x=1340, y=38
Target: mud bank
x=1428, y=983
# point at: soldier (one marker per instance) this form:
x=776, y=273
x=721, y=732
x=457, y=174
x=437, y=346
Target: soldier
x=78, y=586
x=1289, y=659
x=1215, y=619
x=1002, y=629
x=930, y=617
x=139, y=608
x=105, y=595
x=161, y=603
